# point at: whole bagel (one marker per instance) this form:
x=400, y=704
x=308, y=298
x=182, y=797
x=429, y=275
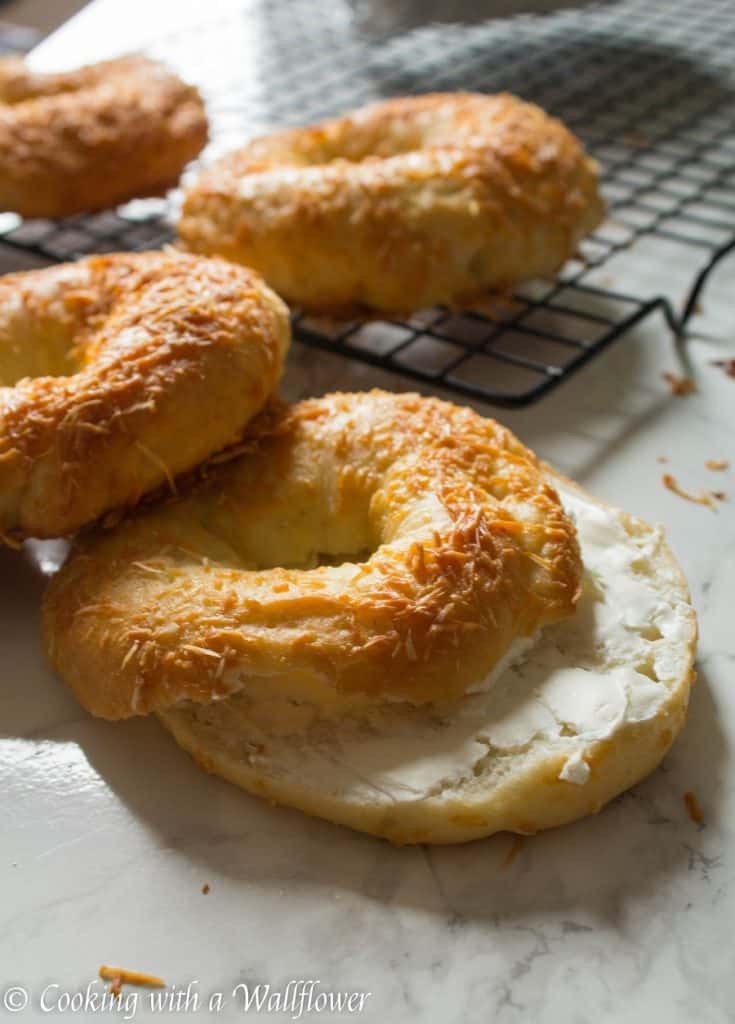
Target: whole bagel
x=94, y=137
x=367, y=547
x=118, y=372
x=402, y=204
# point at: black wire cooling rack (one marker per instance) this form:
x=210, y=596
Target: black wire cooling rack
x=649, y=87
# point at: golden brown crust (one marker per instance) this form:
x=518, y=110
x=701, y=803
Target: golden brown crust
x=122, y=371
x=95, y=137
x=402, y=204
x=470, y=549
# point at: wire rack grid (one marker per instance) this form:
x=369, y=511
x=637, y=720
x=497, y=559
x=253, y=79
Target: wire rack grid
x=649, y=87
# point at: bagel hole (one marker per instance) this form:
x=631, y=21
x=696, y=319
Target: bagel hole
x=281, y=515
x=315, y=560
x=291, y=550
x=368, y=142
x=301, y=562
x=348, y=558
x=30, y=357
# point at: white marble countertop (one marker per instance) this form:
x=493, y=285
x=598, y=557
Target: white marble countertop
x=110, y=831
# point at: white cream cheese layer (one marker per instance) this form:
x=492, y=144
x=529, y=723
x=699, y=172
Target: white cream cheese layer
x=579, y=682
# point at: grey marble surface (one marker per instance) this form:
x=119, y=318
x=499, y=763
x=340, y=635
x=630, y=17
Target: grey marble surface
x=110, y=831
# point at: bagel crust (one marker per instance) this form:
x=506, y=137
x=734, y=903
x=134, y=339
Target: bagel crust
x=118, y=372
x=95, y=137
x=365, y=547
x=403, y=204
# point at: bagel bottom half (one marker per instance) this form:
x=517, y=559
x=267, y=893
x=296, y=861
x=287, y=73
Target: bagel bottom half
x=585, y=711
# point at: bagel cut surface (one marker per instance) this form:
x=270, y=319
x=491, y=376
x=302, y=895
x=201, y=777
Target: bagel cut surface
x=118, y=372
x=94, y=137
x=402, y=204
x=364, y=548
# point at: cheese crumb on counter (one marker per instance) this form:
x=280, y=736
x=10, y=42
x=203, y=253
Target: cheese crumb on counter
x=679, y=386
x=694, y=811
x=703, y=498
x=120, y=976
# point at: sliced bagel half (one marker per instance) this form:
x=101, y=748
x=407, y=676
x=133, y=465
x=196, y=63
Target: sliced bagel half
x=572, y=718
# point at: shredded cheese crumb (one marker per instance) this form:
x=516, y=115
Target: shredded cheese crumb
x=694, y=811
x=157, y=461
x=513, y=851
x=703, y=498
x=122, y=976
x=717, y=465
x=195, y=649
x=679, y=386
x=145, y=567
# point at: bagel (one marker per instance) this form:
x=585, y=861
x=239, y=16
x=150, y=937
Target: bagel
x=118, y=372
x=583, y=714
x=449, y=545
x=442, y=689
x=95, y=137
x=403, y=204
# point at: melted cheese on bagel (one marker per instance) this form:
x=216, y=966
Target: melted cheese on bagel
x=365, y=547
x=400, y=205
x=119, y=372
x=94, y=137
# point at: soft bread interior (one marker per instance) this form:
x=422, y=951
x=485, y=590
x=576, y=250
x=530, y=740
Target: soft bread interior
x=568, y=722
